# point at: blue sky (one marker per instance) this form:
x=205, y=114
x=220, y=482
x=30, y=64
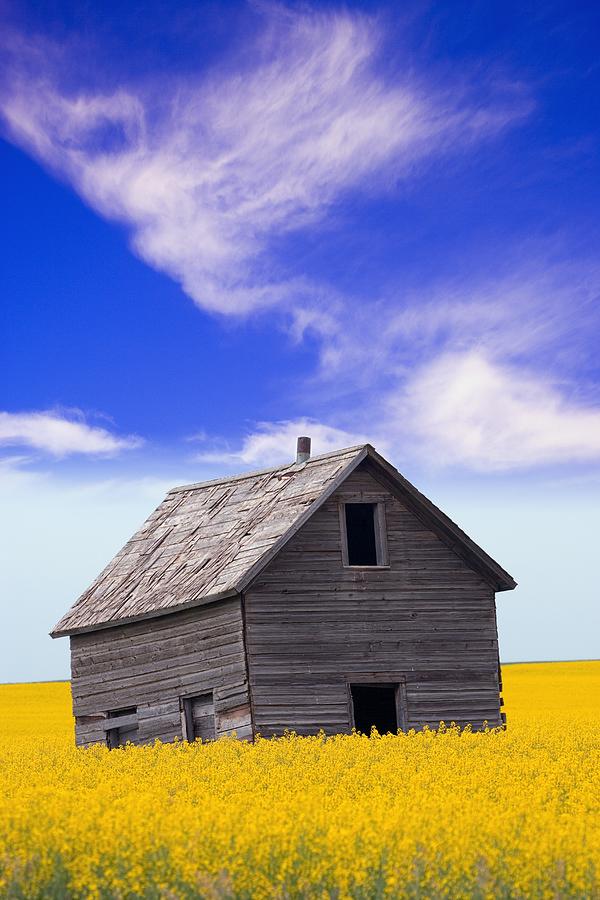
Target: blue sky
x=225, y=224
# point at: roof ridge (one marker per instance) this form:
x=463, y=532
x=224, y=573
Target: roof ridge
x=255, y=473
x=165, y=566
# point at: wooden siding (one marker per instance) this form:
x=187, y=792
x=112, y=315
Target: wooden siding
x=201, y=541
x=312, y=625
x=151, y=665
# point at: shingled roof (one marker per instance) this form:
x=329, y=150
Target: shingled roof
x=207, y=541
x=201, y=541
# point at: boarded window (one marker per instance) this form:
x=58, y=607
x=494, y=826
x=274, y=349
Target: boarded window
x=123, y=727
x=199, y=715
x=375, y=706
x=363, y=534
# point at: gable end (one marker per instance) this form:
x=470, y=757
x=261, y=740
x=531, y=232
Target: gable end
x=426, y=511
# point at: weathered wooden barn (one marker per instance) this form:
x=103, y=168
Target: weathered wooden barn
x=325, y=594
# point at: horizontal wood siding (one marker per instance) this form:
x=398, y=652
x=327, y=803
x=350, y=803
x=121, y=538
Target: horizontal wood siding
x=151, y=665
x=312, y=624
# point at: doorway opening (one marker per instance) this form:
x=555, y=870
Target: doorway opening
x=374, y=705
x=124, y=727
x=199, y=714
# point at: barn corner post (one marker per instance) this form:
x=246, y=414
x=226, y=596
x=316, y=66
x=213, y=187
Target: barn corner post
x=247, y=666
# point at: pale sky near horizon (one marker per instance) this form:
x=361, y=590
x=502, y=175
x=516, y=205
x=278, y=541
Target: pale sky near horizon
x=552, y=614
x=227, y=224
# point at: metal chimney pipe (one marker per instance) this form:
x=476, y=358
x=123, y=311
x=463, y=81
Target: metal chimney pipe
x=303, y=450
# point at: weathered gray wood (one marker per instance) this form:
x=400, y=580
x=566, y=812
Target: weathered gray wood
x=120, y=722
x=207, y=542
x=202, y=540
x=185, y=654
x=234, y=719
x=283, y=655
x=199, y=717
x=427, y=622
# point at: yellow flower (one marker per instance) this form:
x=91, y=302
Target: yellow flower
x=434, y=814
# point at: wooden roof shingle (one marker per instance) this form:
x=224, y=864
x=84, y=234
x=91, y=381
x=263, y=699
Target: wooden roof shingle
x=200, y=542
x=209, y=540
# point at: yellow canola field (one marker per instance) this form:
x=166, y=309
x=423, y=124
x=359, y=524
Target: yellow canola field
x=510, y=814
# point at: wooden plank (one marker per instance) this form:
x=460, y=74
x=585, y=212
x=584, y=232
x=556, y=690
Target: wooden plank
x=429, y=620
x=152, y=670
x=119, y=722
x=203, y=540
x=233, y=719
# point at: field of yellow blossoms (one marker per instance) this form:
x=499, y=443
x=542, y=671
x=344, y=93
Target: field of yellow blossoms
x=497, y=815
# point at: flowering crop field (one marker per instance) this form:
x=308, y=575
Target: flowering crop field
x=434, y=814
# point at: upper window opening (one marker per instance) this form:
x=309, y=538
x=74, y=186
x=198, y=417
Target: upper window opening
x=360, y=534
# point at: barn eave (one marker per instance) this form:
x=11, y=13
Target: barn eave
x=150, y=614
x=388, y=475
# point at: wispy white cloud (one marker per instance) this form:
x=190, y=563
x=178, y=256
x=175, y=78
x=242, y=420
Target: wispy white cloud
x=477, y=374
x=468, y=410
x=459, y=409
x=274, y=443
x=521, y=312
x=208, y=170
x=60, y=434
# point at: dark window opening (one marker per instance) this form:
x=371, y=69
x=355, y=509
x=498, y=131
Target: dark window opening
x=360, y=534
x=199, y=715
x=119, y=735
x=374, y=706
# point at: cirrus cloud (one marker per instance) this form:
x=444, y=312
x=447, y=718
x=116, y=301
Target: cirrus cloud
x=209, y=170
x=274, y=443
x=60, y=435
x=469, y=410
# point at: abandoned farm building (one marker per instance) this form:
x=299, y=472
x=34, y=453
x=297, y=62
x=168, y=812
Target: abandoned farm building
x=324, y=594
